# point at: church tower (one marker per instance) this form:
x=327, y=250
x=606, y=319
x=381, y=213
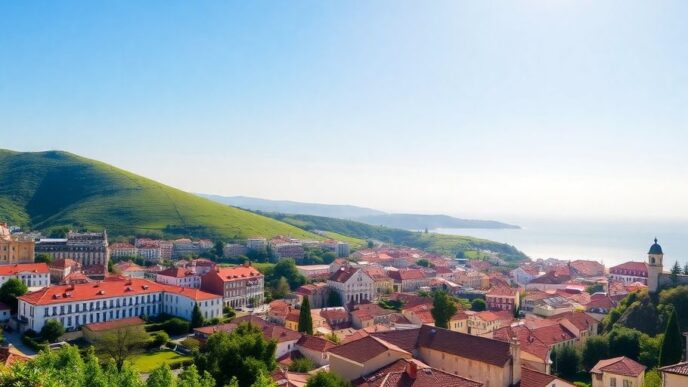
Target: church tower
x=654, y=266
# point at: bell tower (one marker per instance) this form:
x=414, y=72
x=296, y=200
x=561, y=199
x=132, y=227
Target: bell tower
x=655, y=266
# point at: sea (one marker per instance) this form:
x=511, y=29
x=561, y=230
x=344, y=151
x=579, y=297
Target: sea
x=611, y=243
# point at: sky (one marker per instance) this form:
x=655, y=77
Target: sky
x=539, y=108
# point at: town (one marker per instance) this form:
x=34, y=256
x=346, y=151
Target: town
x=326, y=312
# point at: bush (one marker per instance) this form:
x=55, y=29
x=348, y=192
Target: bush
x=302, y=365
x=159, y=338
x=191, y=343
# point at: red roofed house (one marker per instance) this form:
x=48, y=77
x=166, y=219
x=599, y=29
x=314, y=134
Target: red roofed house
x=408, y=280
x=419, y=314
x=9, y=355
x=675, y=374
x=554, y=279
x=112, y=299
x=619, y=372
x=534, y=353
x=481, y=323
x=123, y=250
x=352, y=284
x=316, y=293
x=533, y=378
x=61, y=268
x=586, y=269
x=412, y=373
x=96, y=330
x=629, y=272
x=502, y=298
x=364, y=356
x=315, y=348
x=239, y=286
x=31, y=274
x=129, y=269
x=178, y=276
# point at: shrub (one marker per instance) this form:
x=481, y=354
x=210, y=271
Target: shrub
x=191, y=343
x=159, y=338
x=302, y=365
x=176, y=326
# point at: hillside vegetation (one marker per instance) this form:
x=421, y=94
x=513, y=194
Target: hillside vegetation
x=46, y=190
x=438, y=243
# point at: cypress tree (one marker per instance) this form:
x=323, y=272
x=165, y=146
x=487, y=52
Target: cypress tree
x=305, y=319
x=672, y=345
x=196, y=317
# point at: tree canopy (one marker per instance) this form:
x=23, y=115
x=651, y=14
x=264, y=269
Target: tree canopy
x=443, y=308
x=478, y=305
x=305, y=318
x=671, y=350
x=10, y=290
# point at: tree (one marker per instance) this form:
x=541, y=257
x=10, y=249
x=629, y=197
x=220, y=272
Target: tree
x=243, y=354
x=118, y=344
x=333, y=298
x=652, y=379
x=327, y=379
x=675, y=271
x=196, y=317
x=302, y=364
x=624, y=342
x=281, y=288
x=43, y=258
x=370, y=244
x=685, y=269
x=52, y=330
x=264, y=380
x=287, y=268
x=594, y=288
x=478, y=305
x=649, y=350
x=443, y=308
x=219, y=249
x=595, y=349
x=671, y=350
x=111, y=266
x=677, y=297
x=10, y=290
x=566, y=360
x=161, y=377
x=423, y=262
x=190, y=377
x=305, y=318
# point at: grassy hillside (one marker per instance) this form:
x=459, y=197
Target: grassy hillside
x=439, y=243
x=54, y=189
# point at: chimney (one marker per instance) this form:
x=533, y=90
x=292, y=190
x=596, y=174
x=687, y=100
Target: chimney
x=412, y=369
x=515, y=347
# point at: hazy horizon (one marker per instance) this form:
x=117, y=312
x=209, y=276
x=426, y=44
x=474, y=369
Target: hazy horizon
x=489, y=110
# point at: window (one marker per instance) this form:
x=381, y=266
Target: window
x=627, y=383
x=612, y=382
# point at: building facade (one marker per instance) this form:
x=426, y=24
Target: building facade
x=89, y=249
x=31, y=274
x=239, y=286
x=353, y=285
x=15, y=249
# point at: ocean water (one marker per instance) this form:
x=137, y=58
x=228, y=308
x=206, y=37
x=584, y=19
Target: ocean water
x=606, y=242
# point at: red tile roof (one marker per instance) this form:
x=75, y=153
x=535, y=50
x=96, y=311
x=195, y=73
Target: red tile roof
x=10, y=355
x=631, y=266
x=115, y=287
x=551, y=278
x=315, y=343
x=678, y=368
x=175, y=272
x=552, y=334
x=482, y=349
x=364, y=349
x=619, y=366
x=502, y=292
x=587, y=268
x=343, y=274
x=63, y=263
x=412, y=373
x=532, y=378
x=114, y=324
x=238, y=272
x=406, y=274
x=528, y=342
x=7, y=270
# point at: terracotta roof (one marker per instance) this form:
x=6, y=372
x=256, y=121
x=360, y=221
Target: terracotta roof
x=487, y=315
x=587, y=268
x=502, y=292
x=233, y=273
x=63, y=263
x=527, y=341
x=412, y=373
x=424, y=313
x=443, y=270
x=364, y=349
x=114, y=324
x=631, y=265
x=343, y=274
x=7, y=270
x=128, y=266
x=115, y=287
x=369, y=311
x=405, y=339
x=619, y=366
x=552, y=334
x=410, y=300
x=551, y=278
x=532, y=378
x=121, y=246
x=580, y=320
x=10, y=355
x=464, y=345
x=315, y=343
x=678, y=368
x=270, y=331
x=74, y=278
x=406, y=274
x=175, y=272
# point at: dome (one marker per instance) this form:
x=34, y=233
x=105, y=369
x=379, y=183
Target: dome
x=655, y=248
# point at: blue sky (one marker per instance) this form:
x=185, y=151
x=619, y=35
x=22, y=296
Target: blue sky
x=473, y=108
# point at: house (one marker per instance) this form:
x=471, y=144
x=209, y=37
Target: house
x=419, y=314
x=408, y=280
x=112, y=299
x=586, y=269
x=92, y=332
x=314, y=272
x=412, y=373
x=285, y=378
x=361, y=357
x=88, y=248
x=383, y=284
x=472, y=279
x=367, y=315
x=61, y=268
x=503, y=298
x=551, y=305
x=675, y=375
x=278, y=310
x=315, y=348
x=459, y=322
x=33, y=275
x=316, y=293
x=336, y=317
x=553, y=279
x=524, y=274
x=10, y=355
x=618, y=372
x=129, y=269
x=600, y=305
x=629, y=272
x=534, y=353
x=352, y=284
x=481, y=323
x=580, y=324
x=444, y=272
x=240, y=286
x=148, y=249
x=5, y=312
x=123, y=250
x=533, y=378
x=15, y=248
x=178, y=276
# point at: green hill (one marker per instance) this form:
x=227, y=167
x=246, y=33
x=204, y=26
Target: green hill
x=438, y=243
x=46, y=190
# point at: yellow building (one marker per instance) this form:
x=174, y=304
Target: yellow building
x=619, y=372
x=15, y=249
x=675, y=375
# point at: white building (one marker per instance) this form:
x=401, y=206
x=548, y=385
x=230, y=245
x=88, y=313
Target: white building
x=178, y=276
x=256, y=243
x=112, y=299
x=352, y=284
x=33, y=275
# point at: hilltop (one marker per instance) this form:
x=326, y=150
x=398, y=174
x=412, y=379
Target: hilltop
x=359, y=214
x=47, y=190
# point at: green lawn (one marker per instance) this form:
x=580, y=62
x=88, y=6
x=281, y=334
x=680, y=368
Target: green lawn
x=148, y=361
